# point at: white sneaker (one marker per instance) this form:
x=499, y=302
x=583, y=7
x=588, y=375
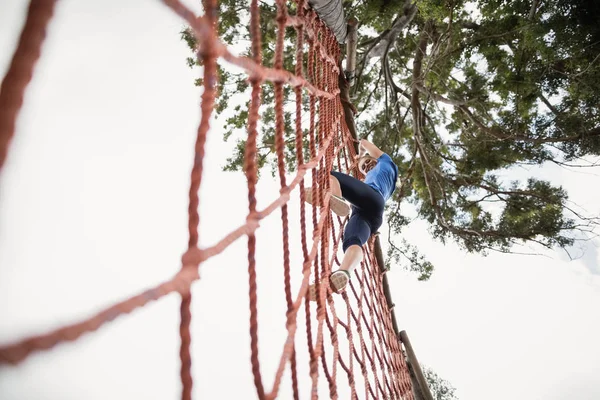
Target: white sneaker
x=339, y=280
x=337, y=204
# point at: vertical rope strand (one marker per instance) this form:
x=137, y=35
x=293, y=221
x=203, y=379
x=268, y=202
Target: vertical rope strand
x=20, y=71
x=251, y=170
x=208, y=98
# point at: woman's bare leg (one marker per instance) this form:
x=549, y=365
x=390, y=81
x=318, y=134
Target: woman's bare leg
x=338, y=206
x=336, y=189
x=340, y=278
x=351, y=258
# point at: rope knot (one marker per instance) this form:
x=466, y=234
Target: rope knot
x=192, y=257
x=284, y=190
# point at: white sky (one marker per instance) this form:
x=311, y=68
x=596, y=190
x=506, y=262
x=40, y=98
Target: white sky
x=93, y=204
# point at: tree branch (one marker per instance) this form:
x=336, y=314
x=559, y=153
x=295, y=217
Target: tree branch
x=534, y=6
x=410, y=10
x=440, y=98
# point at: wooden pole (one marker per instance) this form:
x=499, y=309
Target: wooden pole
x=385, y=283
x=416, y=390
x=416, y=368
x=351, y=42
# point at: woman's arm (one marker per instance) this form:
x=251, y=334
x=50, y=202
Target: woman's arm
x=371, y=148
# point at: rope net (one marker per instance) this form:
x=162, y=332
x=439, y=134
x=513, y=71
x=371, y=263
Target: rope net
x=350, y=345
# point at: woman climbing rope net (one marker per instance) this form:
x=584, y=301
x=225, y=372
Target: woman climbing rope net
x=367, y=199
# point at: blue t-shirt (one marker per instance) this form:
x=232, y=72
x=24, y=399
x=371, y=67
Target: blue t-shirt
x=383, y=176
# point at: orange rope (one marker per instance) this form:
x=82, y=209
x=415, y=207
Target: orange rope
x=366, y=324
x=20, y=71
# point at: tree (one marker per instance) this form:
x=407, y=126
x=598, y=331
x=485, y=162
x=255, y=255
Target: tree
x=440, y=389
x=460, y=94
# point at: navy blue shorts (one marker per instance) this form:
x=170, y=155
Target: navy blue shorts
x=367, y=209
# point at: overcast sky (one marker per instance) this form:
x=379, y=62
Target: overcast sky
x=93, y=209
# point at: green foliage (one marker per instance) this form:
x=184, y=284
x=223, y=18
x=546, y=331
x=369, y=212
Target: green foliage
x=405, y=252
x=500, y=85
x=234, y=30
x=440, y=388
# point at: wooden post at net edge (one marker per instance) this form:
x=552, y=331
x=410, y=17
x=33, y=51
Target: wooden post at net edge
x=415, y=370
x=351, y=42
